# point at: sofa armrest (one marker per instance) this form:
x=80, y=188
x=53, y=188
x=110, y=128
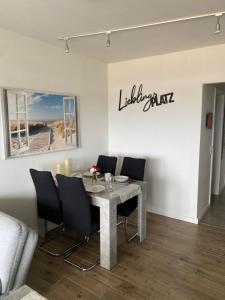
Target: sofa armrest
x=13, y=237
x=28, y=252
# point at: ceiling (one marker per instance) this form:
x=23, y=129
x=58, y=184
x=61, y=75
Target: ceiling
x=46, y=19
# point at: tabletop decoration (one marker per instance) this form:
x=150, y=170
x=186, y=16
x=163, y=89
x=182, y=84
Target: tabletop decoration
x=94, y=170
x=67, y=167
x=108, y=180
x=58, y=169
x=94, y=188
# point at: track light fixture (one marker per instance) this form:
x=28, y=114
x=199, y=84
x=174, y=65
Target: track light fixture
x=67, y=49
x=108, y=33
x=218, y=29
x=108, y=41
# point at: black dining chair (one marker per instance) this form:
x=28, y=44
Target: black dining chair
x=78, y=213
x=107, y=164
x=48, y=205
x=133, y=168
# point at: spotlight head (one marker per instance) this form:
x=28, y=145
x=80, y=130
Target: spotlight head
x=108, y=41
x=67, y=49
x=218, y=26
x=218, y=30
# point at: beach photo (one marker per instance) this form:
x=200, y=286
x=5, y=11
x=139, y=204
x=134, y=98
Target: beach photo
x=40, y=122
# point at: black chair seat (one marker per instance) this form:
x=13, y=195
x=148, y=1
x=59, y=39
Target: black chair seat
x=134, y=169
x=126, y=208
x=107, y=164
x=49, y=205
x=78, y=213
x=95, y=219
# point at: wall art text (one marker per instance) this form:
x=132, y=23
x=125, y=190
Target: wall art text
x=150, y=100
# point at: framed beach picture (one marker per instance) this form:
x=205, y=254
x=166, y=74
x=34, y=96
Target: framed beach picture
x=38, y=122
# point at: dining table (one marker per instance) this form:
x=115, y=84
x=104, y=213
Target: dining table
x=107, y=201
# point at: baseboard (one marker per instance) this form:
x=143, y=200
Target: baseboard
x=203, y=212
x=173, y=215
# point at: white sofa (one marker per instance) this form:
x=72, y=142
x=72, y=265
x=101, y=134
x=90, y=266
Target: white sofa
x=17, y=245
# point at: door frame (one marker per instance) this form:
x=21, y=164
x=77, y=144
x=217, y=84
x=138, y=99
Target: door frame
x=212, y=146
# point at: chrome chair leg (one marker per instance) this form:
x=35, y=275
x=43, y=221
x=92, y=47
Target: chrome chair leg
x=126, y=223
x=57, y=254
x=131, y=224
x=74, y=264
x=45, y=242
x=120, y=223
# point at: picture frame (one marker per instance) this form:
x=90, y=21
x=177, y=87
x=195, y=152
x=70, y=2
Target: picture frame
x=36, y=122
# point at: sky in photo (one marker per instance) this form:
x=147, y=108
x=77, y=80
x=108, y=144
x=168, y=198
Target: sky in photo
x=45, y=106
x=41, y=106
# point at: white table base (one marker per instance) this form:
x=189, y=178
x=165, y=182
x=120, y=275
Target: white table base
x=141, y=215
x=108, y=234
x=108, y=226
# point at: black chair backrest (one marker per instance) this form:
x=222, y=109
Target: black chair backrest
x=107, y=164
x=76, y=204
x=134, y=168
x=48, y=202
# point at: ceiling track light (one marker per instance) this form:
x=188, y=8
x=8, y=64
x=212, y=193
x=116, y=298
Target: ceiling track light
x=108, y=41
x=218, y=27
x=108, y=33
x=67, y=49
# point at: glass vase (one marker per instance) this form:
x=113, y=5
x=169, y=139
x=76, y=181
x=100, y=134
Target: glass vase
x=94, y=178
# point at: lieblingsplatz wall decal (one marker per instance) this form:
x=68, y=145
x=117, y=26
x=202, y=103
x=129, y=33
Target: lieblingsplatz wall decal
x=151, y=99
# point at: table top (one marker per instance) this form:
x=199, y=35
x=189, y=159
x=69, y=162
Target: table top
x=120, y=191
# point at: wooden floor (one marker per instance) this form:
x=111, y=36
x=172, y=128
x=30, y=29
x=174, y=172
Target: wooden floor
x=177, y=261
x=215, y=216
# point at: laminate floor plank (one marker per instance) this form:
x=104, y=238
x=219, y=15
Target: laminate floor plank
x=177, y=261
x=215, y=215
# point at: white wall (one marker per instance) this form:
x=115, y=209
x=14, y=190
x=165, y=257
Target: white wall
x=168, y=135
x=30, y=64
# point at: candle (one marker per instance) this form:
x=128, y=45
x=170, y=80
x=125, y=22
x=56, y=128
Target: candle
x=66, y=162
x=58, y=169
